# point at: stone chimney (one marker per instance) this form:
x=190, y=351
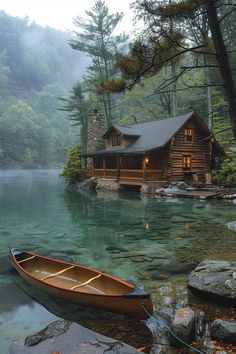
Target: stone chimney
x=97, y=127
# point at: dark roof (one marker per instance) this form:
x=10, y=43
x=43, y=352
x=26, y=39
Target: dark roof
x=150, y=135
x=129, y=130
x=156, y=134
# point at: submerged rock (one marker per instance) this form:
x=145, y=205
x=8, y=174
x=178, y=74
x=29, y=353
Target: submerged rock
x=215, y=279
x=232, y=225
x=54, y=329
x=69, y=338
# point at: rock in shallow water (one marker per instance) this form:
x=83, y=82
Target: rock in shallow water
x=183, y=324
x=232, y=225
x=69, y=338
x=224, y=330
x=215, y=279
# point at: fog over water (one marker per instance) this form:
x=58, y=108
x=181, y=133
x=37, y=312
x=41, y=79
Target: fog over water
x=134, y=238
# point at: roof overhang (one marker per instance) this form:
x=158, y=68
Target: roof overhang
x=101, y=153
x=119, y=130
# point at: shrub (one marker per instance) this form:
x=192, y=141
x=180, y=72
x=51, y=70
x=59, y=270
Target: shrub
x=73, y=172
x=228, y=167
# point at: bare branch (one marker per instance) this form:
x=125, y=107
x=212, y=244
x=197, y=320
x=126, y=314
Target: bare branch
x=226, y=15
x=202, y=86
x=211, y=135
x=199, y=67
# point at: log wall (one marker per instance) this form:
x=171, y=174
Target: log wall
x=199, y=150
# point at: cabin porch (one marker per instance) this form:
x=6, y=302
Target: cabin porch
x=127, y=169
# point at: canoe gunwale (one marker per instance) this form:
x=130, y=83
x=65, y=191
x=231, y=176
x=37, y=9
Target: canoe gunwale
x=130, y=304
x=134, y=293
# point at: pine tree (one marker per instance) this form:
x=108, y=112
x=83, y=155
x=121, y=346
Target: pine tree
x=97, y=39
x=162, y=44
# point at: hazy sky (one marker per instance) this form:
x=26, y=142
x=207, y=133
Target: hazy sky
x=60, y=13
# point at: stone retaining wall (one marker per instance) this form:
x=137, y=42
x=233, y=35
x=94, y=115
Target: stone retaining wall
x=108, y=185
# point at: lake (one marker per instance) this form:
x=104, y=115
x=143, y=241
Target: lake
x=153, y=242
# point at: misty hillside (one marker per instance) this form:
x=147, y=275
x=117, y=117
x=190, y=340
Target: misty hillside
x=34, y=56
x=37, y=66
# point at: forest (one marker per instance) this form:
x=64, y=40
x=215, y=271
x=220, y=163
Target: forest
x=37, y=66
x=172, y=65
x=181, y=58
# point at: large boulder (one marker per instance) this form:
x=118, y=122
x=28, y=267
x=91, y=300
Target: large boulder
x=215, y=279
x=223, y=330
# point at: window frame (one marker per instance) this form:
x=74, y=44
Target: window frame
x=187, y=160
x=188, y=135
x=116, y=140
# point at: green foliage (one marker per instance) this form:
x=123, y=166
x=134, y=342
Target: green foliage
x=25, y=137
x=77, y=107
x=36, y=56
x=36, y=67
x=73, y=172
x=227, y=168
x=96, y=38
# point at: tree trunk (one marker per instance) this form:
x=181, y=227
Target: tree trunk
x=223, y=60
x=173, y=76
x=209, y=97
x=173, y=92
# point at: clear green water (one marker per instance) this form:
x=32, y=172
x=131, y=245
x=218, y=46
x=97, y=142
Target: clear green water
x=138, y=239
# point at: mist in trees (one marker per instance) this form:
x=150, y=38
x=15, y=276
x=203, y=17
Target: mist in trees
x=190, y=45
x=36, y=67
x=52, y=81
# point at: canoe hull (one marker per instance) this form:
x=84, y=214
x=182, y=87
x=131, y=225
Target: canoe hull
x=131, y=304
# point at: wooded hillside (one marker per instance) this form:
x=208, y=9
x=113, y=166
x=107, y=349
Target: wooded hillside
x=36, y=67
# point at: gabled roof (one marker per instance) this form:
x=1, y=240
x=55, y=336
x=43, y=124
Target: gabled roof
x=151, y=135
x=129, y=130
x=155, y=134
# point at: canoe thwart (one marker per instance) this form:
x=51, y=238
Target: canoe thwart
x=26, y=259
x=57, y=273
x=86, y=282
x=81, y=285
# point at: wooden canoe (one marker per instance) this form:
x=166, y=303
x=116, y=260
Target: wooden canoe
x=81, y=285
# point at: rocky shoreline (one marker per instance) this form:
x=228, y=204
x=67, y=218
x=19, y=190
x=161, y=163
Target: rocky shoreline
x=211, y=280
x=174, y=330
x=106, y=185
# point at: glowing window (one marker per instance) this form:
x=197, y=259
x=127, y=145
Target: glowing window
x=188, y=135
x=187, y=161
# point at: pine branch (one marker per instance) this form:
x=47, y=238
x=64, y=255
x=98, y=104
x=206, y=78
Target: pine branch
x=163, y=62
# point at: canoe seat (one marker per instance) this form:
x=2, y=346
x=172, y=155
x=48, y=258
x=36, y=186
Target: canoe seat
x=85, y=283
x=57, y=273
x=26, y=259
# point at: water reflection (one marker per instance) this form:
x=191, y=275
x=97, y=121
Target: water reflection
x=152, y=242
x=108, y=324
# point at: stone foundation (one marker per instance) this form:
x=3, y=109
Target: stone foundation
x=152, y=187
x=111, y=185
x=108, y=185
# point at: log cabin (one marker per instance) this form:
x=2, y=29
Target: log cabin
x=160, y=151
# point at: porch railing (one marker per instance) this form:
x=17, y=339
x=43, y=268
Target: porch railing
x=126, y=174
x=131, y=174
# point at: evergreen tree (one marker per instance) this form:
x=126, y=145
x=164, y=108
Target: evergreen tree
x=77, y=107
x=162, y=44
x=97, y=39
